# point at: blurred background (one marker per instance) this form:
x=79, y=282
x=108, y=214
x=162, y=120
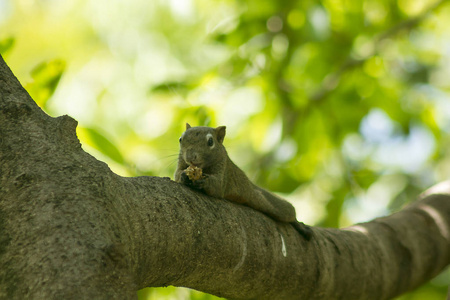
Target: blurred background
x=340, y=106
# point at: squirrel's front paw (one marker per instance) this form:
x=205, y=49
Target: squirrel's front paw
x=197, y=184
x=184, y=178
x=200, y=183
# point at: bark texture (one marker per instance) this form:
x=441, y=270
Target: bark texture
x=72, y=229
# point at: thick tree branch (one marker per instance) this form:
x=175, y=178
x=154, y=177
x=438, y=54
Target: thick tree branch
x=72, y=229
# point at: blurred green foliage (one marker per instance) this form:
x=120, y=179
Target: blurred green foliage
x=46, y=77
x=6, y=44
x=99, y=142
x=341, y=106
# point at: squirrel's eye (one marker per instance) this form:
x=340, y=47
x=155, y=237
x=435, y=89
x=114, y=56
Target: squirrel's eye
x=179, y=140
x=210, y=142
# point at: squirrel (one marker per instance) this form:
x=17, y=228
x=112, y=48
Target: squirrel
x=202, y=152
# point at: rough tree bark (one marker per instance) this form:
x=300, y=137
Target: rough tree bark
x=72, y=229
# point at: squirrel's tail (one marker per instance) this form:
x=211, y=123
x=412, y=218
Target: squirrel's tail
x=283, y=211
x=274, y=206
x=303, y=229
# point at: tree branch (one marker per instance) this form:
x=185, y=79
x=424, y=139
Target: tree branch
x=72, y=229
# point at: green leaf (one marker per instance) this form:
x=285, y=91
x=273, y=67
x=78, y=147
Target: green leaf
x=6, y=45
x=46, y=77
x=98, y=141
x=174, y=87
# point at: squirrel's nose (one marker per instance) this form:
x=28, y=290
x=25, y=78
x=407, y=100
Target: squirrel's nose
x=191, y=157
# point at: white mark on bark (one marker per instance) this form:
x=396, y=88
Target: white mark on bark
x=438, y=219
x=244, y=250
x=283, y=246
x=357, y=228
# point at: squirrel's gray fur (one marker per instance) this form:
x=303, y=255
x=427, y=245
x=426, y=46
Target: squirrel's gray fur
x=203, y=147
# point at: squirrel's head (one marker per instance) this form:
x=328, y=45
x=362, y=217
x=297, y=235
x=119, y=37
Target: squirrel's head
x=202, y=146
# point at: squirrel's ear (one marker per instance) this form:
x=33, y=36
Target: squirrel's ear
x=188, y=126
x=220, y=131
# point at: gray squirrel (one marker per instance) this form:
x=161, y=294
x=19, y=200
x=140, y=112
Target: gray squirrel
x=203, y=164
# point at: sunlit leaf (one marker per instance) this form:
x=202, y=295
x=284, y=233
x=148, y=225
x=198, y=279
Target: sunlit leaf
x=98, y=141
x=46, y=77
x=171, y=87
x=6, y=44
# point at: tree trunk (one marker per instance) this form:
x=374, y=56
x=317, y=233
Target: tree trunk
x=72, y=229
